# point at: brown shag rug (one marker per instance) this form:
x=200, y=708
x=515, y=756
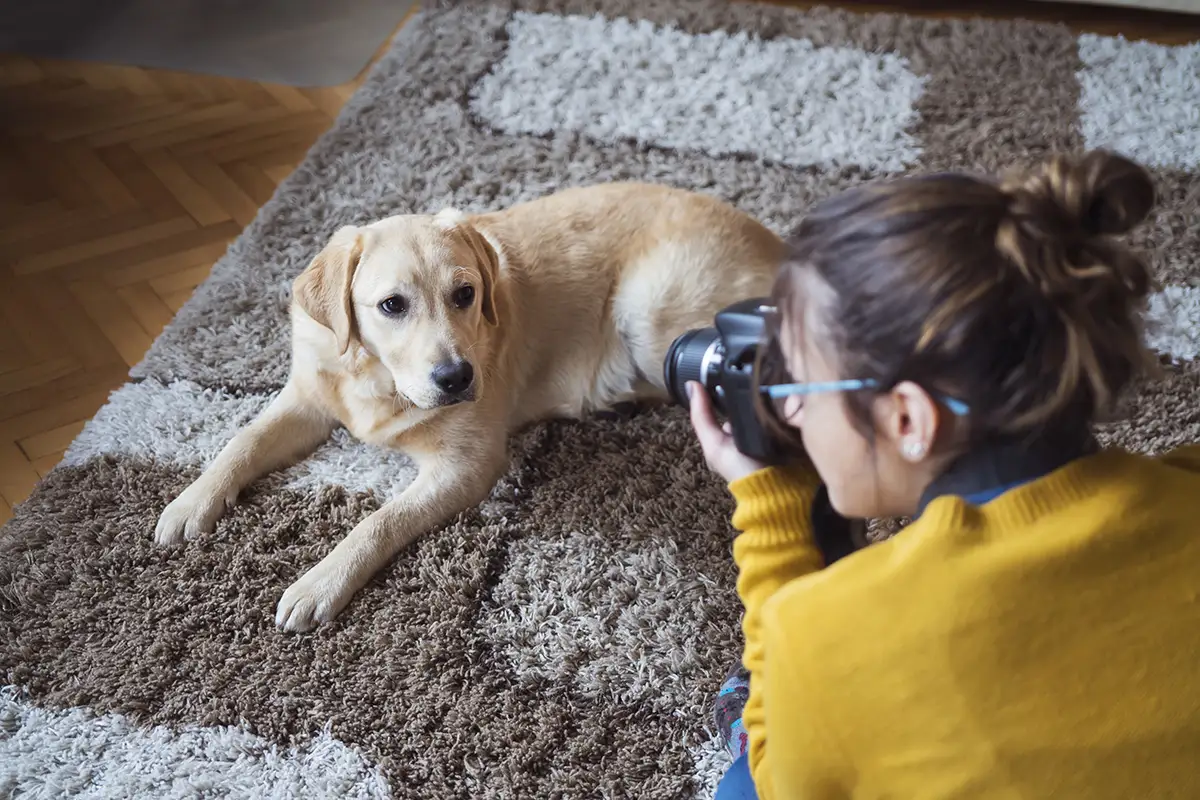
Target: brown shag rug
x=565, y=638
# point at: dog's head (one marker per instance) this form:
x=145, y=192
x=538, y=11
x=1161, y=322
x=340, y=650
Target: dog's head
x=417, y=292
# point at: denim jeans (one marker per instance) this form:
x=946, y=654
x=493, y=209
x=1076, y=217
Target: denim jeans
x=736, y=784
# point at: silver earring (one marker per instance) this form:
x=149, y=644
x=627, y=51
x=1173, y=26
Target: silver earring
x=914, y=449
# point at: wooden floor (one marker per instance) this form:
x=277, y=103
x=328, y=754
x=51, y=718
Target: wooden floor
x=122, y=186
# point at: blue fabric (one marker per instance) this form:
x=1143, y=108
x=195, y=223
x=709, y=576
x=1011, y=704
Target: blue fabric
x=736, y=783
x=979, y=498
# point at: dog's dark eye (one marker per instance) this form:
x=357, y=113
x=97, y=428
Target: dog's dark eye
x=464, y=296
x=393, y=306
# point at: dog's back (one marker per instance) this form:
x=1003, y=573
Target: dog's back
x=601, y=279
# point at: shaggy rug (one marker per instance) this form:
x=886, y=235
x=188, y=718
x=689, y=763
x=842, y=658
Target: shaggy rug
x=565, y=638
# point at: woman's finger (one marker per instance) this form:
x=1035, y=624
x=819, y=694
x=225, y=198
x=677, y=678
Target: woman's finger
x=703, y=420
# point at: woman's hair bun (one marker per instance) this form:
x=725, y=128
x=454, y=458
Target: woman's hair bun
x=1098, y=194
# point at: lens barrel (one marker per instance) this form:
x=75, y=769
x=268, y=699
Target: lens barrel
x=685, y=361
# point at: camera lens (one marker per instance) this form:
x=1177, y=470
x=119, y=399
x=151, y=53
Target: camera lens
x=689, y=358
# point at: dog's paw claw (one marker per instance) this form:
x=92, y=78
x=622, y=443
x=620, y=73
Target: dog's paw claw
x=296, y=615
x=311, y=601
x=193, y=513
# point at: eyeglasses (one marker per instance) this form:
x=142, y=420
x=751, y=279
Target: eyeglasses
x=780, y=393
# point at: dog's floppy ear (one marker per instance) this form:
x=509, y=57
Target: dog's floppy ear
x=487, y=254
x=323, y=288
x=489, y=267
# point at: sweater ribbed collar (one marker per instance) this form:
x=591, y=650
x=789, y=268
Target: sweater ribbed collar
x=983, y=472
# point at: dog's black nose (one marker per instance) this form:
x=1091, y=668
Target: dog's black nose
x=453, y=377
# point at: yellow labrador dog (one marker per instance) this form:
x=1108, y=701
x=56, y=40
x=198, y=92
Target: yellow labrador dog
x=441, y=334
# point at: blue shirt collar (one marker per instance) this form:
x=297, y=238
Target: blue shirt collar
x=981, y=475
x=986, y=472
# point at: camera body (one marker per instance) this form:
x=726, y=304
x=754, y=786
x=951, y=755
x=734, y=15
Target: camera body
x=722, y=359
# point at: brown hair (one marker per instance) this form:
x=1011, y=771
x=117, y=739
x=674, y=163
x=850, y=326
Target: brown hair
x=1009, y=295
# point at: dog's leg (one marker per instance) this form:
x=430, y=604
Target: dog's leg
x=644, y=396
x=618, y=410
x=286, y=430
x=447, y=484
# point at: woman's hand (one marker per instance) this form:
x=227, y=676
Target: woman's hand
x=716, y=441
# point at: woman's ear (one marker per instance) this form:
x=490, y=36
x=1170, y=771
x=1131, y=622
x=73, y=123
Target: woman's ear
x=323, y=288
x=911, y=421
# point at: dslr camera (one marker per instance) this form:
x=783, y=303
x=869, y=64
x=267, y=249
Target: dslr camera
x=722, y=359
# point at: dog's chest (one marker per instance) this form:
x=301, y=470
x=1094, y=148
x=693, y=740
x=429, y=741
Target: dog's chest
x=370, y=410
x=377, y=423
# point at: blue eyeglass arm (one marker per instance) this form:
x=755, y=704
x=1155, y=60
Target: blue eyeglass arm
x=777, y=391
x=787, y=389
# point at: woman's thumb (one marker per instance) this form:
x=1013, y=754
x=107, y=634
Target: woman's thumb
x=703, y=419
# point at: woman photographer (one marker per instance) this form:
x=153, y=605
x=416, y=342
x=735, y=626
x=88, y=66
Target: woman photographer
x=941, y=348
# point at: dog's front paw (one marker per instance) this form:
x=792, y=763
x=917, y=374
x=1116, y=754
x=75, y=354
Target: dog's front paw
x=194, y=512
x=314, y=599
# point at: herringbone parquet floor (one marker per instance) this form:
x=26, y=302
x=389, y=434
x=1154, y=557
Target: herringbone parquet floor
x=119, y=188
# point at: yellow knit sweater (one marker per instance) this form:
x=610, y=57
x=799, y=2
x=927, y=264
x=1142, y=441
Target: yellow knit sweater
x=1044, y=644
